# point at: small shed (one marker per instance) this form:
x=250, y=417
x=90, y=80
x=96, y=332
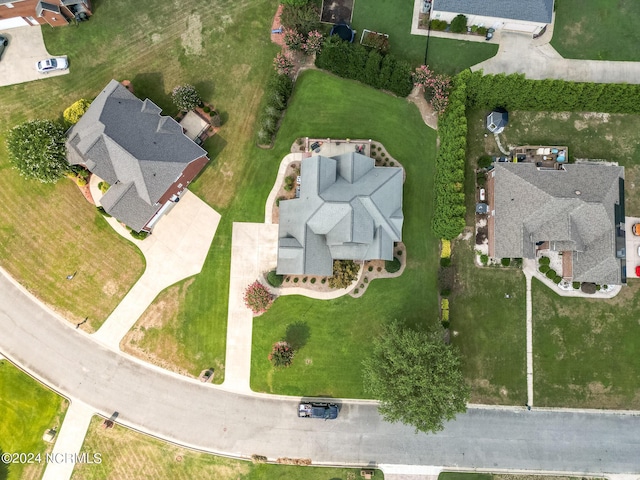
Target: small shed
x=497, y=120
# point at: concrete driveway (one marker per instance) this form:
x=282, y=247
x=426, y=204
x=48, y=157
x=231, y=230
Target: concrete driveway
x=26, y=47
x=633, y=242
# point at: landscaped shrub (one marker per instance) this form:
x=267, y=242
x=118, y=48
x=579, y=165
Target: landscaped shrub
x=459, y=24
x=392, y=266
x=295, y=280
x=576, y=285
x=544, y=268
x=313, y=280
x=102, y=211
x=445, y=251
x=481, y=31
x=344, y=273
x=103, y=186
x=277, y=93
x=505, y=262
x=354, y=61
x=139, y=235
x=438, y=25
x=281, y=354
x=274, y=279
x=551, y=274
x=283, y=64
x=185, y=97
x=370, y=268
x=304, y=280
x=445, y=262
x=73, y=113
x=445, y=292
x=313, y=43
x=544, y=261
x=484, y=259
x=557, y=279
x=303, y=17
x=445, y=315
x=293, y=39
x=444, y=304
x=484, y=161
x=257, y=298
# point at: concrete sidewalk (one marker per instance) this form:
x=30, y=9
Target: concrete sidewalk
x=253, y=251
x=69, y=441
x=176, y=250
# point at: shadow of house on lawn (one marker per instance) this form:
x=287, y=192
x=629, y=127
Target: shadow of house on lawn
x=151, y=86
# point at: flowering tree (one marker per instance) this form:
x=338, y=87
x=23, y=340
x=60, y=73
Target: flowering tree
x=257, y=297
x=283, y=64
x=313, y=43
x=437, y=86
x=37, y=150
x=185, y=97
x=293, y=39
x=281, y=354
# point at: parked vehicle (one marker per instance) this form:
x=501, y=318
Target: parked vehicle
x=52, y=64
x=328, y=411
x=635, y=229
x=638, y=271
x=482, y=194
x=3, y=43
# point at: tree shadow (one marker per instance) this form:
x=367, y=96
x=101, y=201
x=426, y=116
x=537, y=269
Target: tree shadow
x=205, y=90
x=151, y=85
x=4, y=468
x=297, y=335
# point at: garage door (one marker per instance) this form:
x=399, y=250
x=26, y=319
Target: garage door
x=13, y=23
x=520, y=27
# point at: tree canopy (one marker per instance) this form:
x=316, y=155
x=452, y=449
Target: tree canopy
x=186, y=97
x=416, y=377
x=37, y=150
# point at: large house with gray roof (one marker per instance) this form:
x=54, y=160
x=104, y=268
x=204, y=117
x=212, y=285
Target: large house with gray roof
x=348, y=209
x=529, y=16
x=144, y=157
x=576, y=210
x=22, y=13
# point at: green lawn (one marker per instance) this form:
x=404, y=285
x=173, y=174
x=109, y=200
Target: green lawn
x=123, y=451
x=586, y=352
x=28, y=410
x=394, y=18
x=341, y=330
x=497, y=476
x=489, y=328
x=597, y=29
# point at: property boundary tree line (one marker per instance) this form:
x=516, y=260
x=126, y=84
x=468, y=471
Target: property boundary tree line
x=356, y=62
x=474, y=90
x=277, y=93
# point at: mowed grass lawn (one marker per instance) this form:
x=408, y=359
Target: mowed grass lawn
x=394, y=18
x=28, y=410
x=489, y=328
x=597, y=29
x=340, y=331
x=124, y=451
x=586, y=351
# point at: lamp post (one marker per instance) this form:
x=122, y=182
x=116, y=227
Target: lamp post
x=426, y=48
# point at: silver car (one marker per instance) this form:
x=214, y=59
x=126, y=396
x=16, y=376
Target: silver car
x=52, y=64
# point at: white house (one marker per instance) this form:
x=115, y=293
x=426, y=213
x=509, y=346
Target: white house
x=530, y=16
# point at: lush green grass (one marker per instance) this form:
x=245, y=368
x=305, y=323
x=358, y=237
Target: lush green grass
x=123, y=451
x=586, y=352
x=489, y=328
x=597, y=29
x=341, y=330
x=464, y=476
x=28, y=410
x=495, y=476
x=394, y=18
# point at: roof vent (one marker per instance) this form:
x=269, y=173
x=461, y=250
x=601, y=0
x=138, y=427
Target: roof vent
x=578, y=192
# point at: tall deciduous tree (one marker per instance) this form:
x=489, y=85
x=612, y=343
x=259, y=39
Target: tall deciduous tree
x=417, y=378
x=37, y=150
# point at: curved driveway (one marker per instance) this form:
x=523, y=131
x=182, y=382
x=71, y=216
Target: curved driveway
x=208, y=418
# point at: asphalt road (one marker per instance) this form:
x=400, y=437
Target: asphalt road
x=205, y=417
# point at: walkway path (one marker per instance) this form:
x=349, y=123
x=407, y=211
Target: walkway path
x=69, y=441
x=176, y=250
x=527, y=276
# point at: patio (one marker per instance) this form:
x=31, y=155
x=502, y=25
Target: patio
x=194, y=127
x=329, y=147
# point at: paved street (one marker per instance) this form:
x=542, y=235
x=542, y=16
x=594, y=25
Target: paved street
x=203, y=416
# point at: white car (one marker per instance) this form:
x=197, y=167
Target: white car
x=52, y=64
x=482, y=195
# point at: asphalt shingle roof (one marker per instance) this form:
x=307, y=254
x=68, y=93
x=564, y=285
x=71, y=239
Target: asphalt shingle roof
x=573, y=209
x=348, y=209
x=529, y=10
x=129, y=144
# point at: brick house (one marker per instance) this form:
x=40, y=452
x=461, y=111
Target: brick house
x=20, y=13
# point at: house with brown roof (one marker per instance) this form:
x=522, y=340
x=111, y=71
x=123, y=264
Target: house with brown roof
x=20, y=13
x=144, y=157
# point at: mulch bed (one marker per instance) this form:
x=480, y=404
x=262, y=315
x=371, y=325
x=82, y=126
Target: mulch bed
x=336, y=11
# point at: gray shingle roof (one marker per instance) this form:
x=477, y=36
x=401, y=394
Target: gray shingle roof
x=348, y=209
x=540, y=11
x=127, y=143
x=573, y=209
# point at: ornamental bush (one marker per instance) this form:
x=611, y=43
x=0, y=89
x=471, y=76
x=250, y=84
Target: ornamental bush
x=185, y=97
x=344, y=273
x=438, y=25
x=505, y=262
x=302, y=17
x=446, y=248
x=293, y=39
x=544, y=261
x=544, y=268
x=257, y=298
x=274, y=279
x=281, y=354
x=283, y=64
x=37, y=150
x=73, y=113
x=459, y=24
x=313, y=44
x=392, y=266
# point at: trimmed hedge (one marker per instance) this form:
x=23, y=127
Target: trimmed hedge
x=274, y=279
x=544, y=261
x=392, y=266
x=544, y=268
x=356, y=62
x=277, y=93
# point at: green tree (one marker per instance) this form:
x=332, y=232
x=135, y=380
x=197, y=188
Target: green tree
x=416, y=377
x=459, y=24
x=73, y=113
x=186, y=97
x=301, y=16
x=37, y=150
